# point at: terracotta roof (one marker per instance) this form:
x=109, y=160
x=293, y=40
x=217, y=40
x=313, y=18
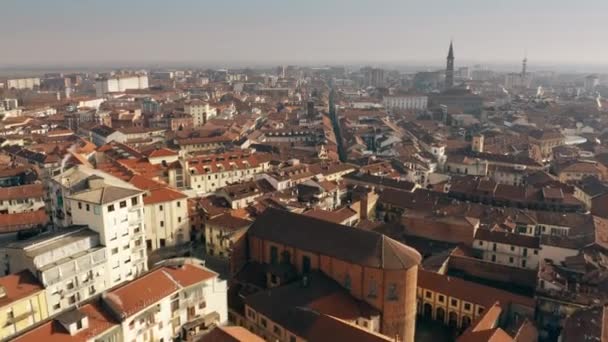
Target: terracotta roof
x=340, y=331
x=353, y=245
x=162, y=152
x=53, y=331
x=22, y=192
x=19, y=221
x=508, y=238
x=163, y=195
x=230, y=334
x=229, y=222
x=469, y=291
x=18, y=286
x=142, y=292
x=189, y=274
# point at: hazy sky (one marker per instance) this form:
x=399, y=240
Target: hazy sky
x=86, y=32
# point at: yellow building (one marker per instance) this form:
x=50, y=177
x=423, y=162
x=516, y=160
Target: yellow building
x=22, y=303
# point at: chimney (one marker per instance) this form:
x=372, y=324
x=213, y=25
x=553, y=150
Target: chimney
x=95, y=182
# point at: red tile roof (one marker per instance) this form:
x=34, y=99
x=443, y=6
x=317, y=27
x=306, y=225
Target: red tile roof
x=163, y=195
x=20, y=221
x=52, y=331
x=18, y=286
x=21, y=192
x=189, y=274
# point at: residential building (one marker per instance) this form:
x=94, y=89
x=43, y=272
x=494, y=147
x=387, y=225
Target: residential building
x=23, y=83
x=22, y=303
x=200, y=111
x=120, y=83
x=71, y=265
x=207, y=173
x=405, y=102
x=157, y=305
x=223, y=232
x=23, y=198
x=507, y=248
x=114, y=209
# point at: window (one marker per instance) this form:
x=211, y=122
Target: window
x=114, y=250
x=392, y=292
x=122, y=204
x=133, y=200
x=511, y=260
x=274, y=255
x=276, y=330
x=467, y=306
x=494, y=247
x=72, y=299
x=96, y=210
x=92, y=289
x=479, y=310
x=179, y=219
x=88, y=207
x=111, y=208
x=179, y=204
x=70, y=285
x=305, y=264
x=347, y=283
x=536, y=252
x=428, y=294
x=523, y=263
x=441, y=298
x=493, y=258
x=481, y=243
x=453, y=302
x=125, y=247
x=512, y=248
x=57, y=306
x=160, y=207
x=264, y=322
x=525, y=252
x=162, y=223
x=79, y=205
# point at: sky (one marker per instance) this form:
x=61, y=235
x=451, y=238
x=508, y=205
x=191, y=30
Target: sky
x=272, y=32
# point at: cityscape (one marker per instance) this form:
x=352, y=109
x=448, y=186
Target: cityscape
x=243, y=183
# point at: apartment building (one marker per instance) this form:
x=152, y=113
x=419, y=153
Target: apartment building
x=71, y=265
x=176, y=300
x=208, y=173
x=115, y=211
x=22, y=303
x=223, y=232
x=200, y=111
x=506, y=248
x=23, y=198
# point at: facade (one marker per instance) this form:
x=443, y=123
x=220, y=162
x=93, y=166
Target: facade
x=22, y=303
x=222, y=233
x=175, y=301
x=210, y=172
x=156, y=306
x=120, y=83
x=23, y=198
x=510, y=249
x=23, y=83
x=115, y=211
x=200, y=112
x=71, y=265
x=406, y=102
x=166, y=218
x=457, y=303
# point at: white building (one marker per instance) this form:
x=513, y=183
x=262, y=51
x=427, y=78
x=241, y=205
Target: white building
x=208, y=173
x=165, y=214
x=175, y=301
x=111, y=207
x=155, y=306
x=120, y=83
x=406, y=102
x=509, y=249
x=200, y=111
x=23, y=83
x=19, y=199
x=70, y=264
